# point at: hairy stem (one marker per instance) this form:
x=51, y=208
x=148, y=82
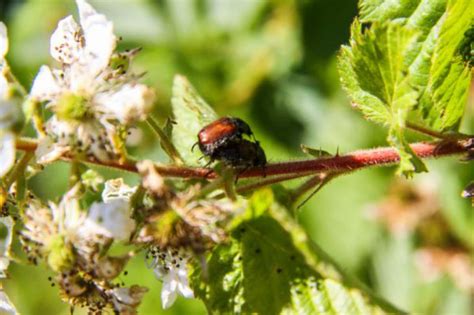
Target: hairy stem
x=342, y=163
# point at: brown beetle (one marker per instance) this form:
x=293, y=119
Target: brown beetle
x=221, y=132
x=222, y=140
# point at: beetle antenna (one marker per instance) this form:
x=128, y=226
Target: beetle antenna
x=194, y=145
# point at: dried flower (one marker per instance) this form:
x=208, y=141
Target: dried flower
x=406, y=206
x=432, y=262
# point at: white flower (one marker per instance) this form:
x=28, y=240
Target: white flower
x=113, y=216
x=6, y=306
x=92, y=102
x=7, y=151
x=170, y=266
x=3, y=51
x=66, y=222
x=3, y=41
x=5, y=244
x=91, y=43
x=8, y=111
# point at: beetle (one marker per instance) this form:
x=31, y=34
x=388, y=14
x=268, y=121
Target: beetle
x=221, y=132
x=242, y=154
x=223, y=140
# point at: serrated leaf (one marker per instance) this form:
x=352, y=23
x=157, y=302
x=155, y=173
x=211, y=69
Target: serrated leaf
x=191, y=113
x=375, y=72
x=450, y=77
x=264, y=270
x=383, y=10
x=436, y=69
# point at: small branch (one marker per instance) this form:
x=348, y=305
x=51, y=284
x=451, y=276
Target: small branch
x=268, y=181
x=319, y=182
x=343, y=163
x=433, y=133
x=18, y=169
x=166, y=144
x=307, y=185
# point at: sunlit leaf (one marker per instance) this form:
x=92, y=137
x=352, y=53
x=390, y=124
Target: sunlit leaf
x=314, y=152
x=436, y=69
x=375, y=72
x=191, y=113
x=265, y=270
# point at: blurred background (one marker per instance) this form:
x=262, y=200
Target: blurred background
x=273, y=63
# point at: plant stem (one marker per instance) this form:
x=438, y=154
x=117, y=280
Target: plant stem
x=434, y=133
x=343, y=163
x=307, y=185
x=268, y=181
x=18, y=169
x=166, y=144
x=319, y=182
x=229, y=185
x=74, y=173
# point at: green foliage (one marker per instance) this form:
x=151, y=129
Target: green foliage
x=449, y=76
x=375, y=73
x=314, y=152
x=403, y=63
x=191, y=113
x=267, y=269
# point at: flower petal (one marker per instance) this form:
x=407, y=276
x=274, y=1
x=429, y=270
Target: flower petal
x=5, y=244
x=45, y=86
x=185, y=290
x=3, y=41
x=66, y=45
x=99, y=35
x=133, y=102
x=6, y=306
x=49, y=151
x=114, y=218
x=3, y=86
x=7, y=152
x=168, y=295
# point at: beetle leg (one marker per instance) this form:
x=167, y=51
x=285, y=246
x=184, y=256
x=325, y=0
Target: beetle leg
x=240, y=173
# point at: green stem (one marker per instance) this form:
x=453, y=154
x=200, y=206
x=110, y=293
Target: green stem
x=75, y=173
x=434, y=133
x=307, y=185
x=319, y=182
x=12, y=79
x=166, y=144
x=18, y=169
x=229, y=183
x=215, y=184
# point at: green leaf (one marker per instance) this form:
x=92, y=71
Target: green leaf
x=314, y=152
x=375, y=72
x=266, y=269
x=191, y=113
x=383, y=10
x=436, y=67
x=449, y=77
